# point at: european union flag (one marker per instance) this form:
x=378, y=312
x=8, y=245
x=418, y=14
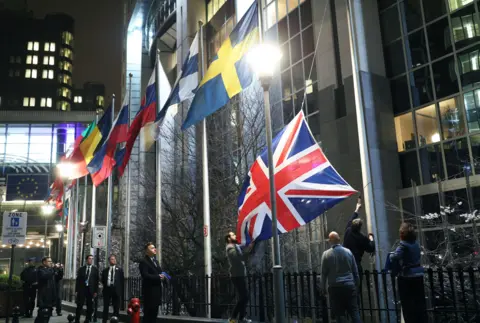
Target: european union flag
x=30, y=187
x=229, y=73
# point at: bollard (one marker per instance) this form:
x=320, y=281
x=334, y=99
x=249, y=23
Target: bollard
x=16, y=314
x=71, y=318
x=114, y=319
x=134, y=310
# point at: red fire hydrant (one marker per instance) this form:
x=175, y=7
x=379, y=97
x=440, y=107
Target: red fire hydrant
x=134, y=310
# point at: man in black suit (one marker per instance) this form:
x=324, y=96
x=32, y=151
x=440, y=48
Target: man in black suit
x=112, y=281
x=86, y=288
x=152, y=278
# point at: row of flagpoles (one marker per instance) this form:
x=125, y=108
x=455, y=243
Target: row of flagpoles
x=108, y=143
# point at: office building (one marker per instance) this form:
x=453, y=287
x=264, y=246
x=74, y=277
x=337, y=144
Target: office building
x=418, y=63
x=91, y=97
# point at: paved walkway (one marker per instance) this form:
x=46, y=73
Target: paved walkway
x=53, y=319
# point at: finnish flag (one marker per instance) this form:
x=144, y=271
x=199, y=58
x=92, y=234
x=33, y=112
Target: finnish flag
x=186, y=83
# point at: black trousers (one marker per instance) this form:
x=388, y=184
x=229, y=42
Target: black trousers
x=412, y=298
x=110, y=295
x=150, y=314
x=87, y=297
x=43, y=314
x=29, y=294
x=58, y=303
x=240, y=308
x=344, y=300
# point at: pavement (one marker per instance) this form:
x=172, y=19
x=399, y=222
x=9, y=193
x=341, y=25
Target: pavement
x=53, y=319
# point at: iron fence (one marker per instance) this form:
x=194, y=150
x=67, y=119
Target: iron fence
x=451, y=296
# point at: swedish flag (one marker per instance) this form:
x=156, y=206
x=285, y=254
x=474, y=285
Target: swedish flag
x=229, y=73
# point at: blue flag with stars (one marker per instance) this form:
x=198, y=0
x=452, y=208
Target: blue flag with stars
x=29, y=187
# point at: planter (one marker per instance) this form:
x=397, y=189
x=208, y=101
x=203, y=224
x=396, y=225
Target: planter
x=16, y=299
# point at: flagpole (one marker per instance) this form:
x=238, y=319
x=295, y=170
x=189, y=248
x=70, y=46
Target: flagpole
x=158, y=169
x=75, y=229
x=126, y=265
x=61, y=234
x=71, y=210
x=94, y=251
x=110, y=198
x=84, y=218
x=278, y=283
x=207, y=241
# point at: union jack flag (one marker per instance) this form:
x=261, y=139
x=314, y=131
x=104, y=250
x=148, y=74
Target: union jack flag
x=306, y=185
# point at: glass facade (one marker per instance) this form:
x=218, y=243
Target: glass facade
x=34, y=148
x=431, y=58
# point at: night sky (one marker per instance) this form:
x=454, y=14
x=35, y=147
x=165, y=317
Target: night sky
x=98, y=39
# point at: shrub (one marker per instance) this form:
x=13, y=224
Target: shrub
x=16, y=283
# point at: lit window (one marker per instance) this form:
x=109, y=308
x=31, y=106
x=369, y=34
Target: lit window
x=44, y=74
x=77, y=99
x=66, y=66
x=52, y=47
x=32, y=59
x=29, y=59
x=62, y=105
x=49, y=102
x=309, y=86
x=65, y=92
x=100, y=100
x=67, y=53
x=50, y=74
x=405, y=132
x=36, y=46
x=45, y=60
x=34, y=73
x=43, y=102
x=28, y=102
x=67, y=38
x=51, y=60
x=65, y=79
x=30, y=45
x=46, y=48
x=427, y=125
x=455, y=4
x=28, y=73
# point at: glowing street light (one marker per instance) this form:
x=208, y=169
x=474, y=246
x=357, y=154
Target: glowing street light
x=65, y=169
x=264, y=59
x=59, y=227
x=47, y=209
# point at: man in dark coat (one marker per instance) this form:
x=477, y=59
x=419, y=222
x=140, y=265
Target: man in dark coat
x=29, y=278
x=152, y=278
x=47, y=291
x=355, y=240
x=58, y=269
x=112, y=281
x=86, y=288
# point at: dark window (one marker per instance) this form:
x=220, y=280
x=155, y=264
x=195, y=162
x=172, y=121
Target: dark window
x=285, y=60
x=294, y=22
x=439, y=40
x=308, y=42
x=433, y=9
x=416, y=48
x=400, y=98
x=382, y=4
x=408, y=208
x=475, y=143
x=445, y=77
x=394, y=59
x=411, y=13
x=314, y=124
x=456, y=156
x=409, y=168
x=469, y=67
x=306, y=13
x=420, y=81
x=312, y=99
x=282, y=31
x=296, y=49
x=298, y=100
x=287, y=110
x=390, y=25
x=431, y=163
x=297, y=73
x=286, y=84
x=308, y=67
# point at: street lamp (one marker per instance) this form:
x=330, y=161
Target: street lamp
x=264, y=59
x=47, y=210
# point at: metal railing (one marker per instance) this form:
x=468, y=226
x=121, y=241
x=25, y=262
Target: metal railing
x=451, y=296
